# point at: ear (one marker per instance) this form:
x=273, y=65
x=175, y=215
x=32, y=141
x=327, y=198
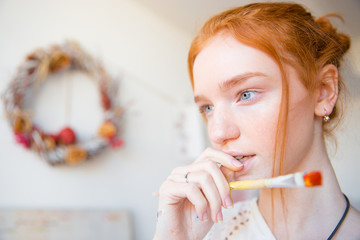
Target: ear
x=327, y=91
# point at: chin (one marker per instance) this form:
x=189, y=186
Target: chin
x=250, y=175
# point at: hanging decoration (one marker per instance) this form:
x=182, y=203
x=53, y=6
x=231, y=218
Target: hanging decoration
x=62, y=147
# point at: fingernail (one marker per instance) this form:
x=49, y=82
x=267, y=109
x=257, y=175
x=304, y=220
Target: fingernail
x=205, y=216
x=237, y=163
x=219, y=217
x=228, y=202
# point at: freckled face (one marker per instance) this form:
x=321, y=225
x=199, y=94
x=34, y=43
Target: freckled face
x=238, y=90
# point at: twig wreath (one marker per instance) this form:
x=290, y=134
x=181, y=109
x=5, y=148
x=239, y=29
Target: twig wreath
x=61, y=147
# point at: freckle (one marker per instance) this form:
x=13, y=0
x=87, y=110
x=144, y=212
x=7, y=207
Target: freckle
x=247, y=220
x=226, y=238
x=245, y=211
x=242, y=223
x=240, y=213
x=230, y=233
x=234, y=218
x=236, y=227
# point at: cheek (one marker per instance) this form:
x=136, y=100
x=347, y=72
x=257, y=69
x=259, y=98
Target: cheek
x=302, y=105
x=301, y=114
x=265, y=130
x=300, y=129
x=259, y=126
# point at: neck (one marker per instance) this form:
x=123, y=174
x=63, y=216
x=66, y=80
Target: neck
x=302, y=209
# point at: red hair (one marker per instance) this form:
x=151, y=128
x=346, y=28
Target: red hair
x=289, y=34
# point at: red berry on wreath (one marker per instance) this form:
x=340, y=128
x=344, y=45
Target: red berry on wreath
x=23, y=139
x=105, y=100
x=67, y=136
x=116, y=143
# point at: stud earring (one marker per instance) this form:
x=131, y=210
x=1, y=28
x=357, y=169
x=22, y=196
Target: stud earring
x=326, y=117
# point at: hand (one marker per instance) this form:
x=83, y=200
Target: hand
x=199, y=196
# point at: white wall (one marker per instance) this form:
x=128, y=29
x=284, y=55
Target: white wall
x=149, y=57
x=147, y=54
x=346, y=156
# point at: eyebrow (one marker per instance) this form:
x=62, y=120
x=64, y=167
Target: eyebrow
x=233, y=82
x=239, y=79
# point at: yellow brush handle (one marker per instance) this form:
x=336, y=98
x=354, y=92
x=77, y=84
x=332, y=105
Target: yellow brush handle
x=247, y=184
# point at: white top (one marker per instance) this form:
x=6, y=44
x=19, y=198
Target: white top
x=244, y=221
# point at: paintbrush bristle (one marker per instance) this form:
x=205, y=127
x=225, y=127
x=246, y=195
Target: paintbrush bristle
x=312, y=179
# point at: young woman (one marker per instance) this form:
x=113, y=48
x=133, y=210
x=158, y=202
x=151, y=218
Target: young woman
x=266, y=79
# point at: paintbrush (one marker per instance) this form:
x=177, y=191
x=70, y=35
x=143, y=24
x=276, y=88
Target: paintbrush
x=299, y=179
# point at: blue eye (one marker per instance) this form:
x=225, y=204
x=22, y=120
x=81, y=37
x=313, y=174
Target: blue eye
x=206, y=109
x=246, y=95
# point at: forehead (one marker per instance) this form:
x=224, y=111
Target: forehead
x=225, y=57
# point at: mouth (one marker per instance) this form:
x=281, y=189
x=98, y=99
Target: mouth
x=243, y=158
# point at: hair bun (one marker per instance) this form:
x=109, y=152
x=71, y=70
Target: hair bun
x=340, y=39
x=325, y=24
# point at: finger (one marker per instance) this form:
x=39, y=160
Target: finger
x=229, y=175
x=221, y=184
x=212, y=168
x=204, y=181
x=179, y=177
x=219, y=157
x=173, y=192
x=222, y=158
x=216, y=160
x=219, y=180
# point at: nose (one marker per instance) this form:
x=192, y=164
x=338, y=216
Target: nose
x=223, y=128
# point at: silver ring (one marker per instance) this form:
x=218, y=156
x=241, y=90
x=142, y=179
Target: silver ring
x=186, y=177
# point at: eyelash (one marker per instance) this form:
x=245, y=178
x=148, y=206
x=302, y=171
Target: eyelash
x=247, y=91
x=203, y=109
